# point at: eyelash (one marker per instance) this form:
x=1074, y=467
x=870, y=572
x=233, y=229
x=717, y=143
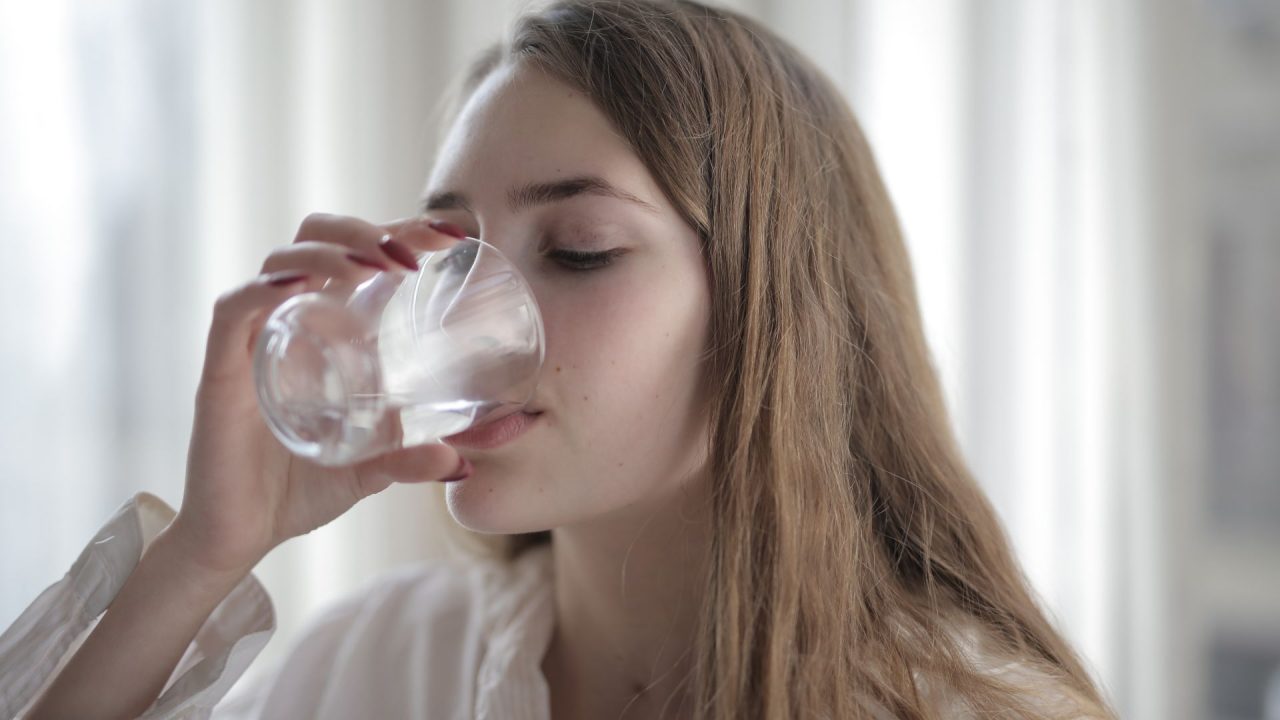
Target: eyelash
x=579, y=261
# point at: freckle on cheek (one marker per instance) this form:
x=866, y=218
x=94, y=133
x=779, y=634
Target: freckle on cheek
x=557, y=368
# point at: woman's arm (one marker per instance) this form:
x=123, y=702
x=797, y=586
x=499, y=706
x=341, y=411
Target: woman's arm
x=124, y=664
x=244, y=493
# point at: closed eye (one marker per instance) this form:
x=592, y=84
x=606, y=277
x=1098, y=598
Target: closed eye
x=579, y=261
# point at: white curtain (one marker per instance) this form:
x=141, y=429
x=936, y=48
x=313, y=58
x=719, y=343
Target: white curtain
x=155, y=151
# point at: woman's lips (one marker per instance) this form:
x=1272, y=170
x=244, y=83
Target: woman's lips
x=493, y=434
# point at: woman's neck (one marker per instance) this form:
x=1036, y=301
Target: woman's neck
x=627, y=595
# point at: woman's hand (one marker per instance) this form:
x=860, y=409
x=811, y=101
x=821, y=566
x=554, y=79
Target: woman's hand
x=245, y=493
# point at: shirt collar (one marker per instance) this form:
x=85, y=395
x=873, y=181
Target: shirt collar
x=520, y=615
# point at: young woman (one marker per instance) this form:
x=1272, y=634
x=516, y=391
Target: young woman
x=735, y=494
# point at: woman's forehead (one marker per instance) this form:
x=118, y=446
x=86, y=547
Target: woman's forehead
x=522, y=126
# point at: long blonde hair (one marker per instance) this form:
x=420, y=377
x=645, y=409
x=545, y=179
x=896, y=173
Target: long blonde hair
x=849, y=538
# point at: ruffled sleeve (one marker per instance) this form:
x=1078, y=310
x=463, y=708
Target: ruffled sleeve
x=34, y=649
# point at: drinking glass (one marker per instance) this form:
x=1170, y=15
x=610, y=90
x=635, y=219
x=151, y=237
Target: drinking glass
x=402, y=359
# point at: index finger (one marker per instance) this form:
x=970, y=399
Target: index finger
x=423, y=233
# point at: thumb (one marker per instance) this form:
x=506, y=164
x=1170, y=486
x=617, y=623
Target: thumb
x=421, y=463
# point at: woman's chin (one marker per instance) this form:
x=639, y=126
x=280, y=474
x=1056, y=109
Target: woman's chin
x=483, y=507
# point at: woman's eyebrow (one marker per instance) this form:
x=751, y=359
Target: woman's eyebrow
x=539, y=193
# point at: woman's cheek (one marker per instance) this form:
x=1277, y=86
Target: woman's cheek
x=586, y=318
x=603, y=350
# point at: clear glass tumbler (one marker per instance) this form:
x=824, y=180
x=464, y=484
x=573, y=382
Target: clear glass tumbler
x=403, y=359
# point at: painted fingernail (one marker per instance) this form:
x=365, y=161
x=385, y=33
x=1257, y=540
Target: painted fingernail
x=441, y=226
x=398, y=252
x=366, y=262
x=464, y=469
x=285, y=278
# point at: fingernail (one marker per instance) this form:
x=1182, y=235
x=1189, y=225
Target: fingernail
x=441, y=226
x=464, y=469
x=366, y=262
x=398, y=252
x=287, y=277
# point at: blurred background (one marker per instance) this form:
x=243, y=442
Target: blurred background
x=1090, y=190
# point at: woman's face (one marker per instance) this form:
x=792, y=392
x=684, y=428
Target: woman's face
x=623, y=421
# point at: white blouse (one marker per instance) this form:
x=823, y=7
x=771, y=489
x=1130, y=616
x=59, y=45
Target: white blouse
x=432, y=640
x=446, y=639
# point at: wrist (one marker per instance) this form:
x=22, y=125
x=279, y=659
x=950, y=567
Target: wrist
x=178, y=557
